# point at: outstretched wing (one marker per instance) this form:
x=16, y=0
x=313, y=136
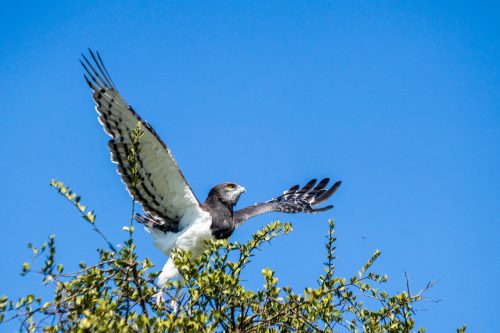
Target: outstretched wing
x=162, y=191
x=294, y=200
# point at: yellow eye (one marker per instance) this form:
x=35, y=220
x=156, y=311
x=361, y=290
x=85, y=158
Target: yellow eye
x=230, y=187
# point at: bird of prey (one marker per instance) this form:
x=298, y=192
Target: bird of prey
x=174, y=217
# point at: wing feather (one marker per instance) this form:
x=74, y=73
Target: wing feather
x=293, y=200
x=163, y=190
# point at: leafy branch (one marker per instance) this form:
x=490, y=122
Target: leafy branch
x=116, y=294
x=75, y=199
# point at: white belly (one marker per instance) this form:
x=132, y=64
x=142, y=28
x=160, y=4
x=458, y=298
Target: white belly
x=196, y=231
x=196, y=224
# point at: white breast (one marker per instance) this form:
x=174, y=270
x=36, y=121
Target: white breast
x=196, y=232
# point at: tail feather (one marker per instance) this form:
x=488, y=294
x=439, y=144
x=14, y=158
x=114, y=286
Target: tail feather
x=153, y=222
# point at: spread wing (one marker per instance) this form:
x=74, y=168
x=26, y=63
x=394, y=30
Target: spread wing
x=162, y=191
x=294, y=200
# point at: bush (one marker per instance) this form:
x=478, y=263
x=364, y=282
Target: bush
x=118, y=293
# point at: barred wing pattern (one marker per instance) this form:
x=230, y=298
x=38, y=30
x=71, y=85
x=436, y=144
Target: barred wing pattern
x=294, y=200
x=163, y=190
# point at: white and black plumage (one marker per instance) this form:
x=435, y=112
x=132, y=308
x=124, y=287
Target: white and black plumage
x=174, y=216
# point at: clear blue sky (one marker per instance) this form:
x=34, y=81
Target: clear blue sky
x=400, y=100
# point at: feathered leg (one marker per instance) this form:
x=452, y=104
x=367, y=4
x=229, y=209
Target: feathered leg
x=168, y=272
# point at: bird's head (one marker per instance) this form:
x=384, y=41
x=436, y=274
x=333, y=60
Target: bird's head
x=227, y=193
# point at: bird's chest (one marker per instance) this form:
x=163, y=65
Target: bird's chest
x=222, y=227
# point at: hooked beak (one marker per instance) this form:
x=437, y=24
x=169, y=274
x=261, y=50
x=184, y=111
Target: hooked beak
x=242, y=189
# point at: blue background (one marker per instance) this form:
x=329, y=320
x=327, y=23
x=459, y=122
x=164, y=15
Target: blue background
x=400, y=100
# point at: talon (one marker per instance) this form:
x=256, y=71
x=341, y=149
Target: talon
x=174, y=304
x=159, y=298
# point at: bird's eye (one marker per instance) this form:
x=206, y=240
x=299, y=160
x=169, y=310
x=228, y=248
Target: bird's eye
x=230, y=187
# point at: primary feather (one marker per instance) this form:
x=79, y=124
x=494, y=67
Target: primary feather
x=163, y=190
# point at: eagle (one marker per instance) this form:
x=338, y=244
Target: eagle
x=174, y=216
